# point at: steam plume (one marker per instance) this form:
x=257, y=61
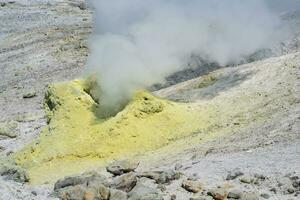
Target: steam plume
x=138, y=42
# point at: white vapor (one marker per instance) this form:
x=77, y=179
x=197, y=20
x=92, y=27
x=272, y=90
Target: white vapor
x=137, y=43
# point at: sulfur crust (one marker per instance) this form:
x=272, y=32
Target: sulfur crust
x=76, y=139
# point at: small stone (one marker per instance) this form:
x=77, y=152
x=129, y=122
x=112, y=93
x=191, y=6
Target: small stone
x=296, y=183
x=29, y=94
x=246, y=179
x=274, y=190
x=234, y=174
x=173, y=197
x=121, y=167
x=265, y=195
x=234, y=194
x=290, y=190
x=104, y=192
x=217, y=194
x=125, y=182
x=117, y=195
x=192, y=186
x=260, y=176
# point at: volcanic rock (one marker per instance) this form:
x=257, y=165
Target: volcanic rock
x=121, y=167
x=125, y=182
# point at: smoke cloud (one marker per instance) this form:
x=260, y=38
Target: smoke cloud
x=137, y=43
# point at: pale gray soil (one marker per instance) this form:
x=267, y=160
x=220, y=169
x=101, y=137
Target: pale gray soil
x=44, y=41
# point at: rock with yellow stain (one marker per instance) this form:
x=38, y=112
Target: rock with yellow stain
x=77, y=139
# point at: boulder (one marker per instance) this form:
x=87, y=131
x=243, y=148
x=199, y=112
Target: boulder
x=144, y=192
x=125, y=182
x=121, y=167
x=160, y=177
x=117, y=195
x=87, y=179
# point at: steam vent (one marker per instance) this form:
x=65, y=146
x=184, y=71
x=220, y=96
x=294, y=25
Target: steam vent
x=149, y=100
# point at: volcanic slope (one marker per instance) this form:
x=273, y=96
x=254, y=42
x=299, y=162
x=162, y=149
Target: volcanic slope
x=216, y=105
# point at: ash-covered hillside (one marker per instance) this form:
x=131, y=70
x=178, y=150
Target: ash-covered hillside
x=208, y=130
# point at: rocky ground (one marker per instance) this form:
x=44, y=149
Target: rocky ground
x=46, y=41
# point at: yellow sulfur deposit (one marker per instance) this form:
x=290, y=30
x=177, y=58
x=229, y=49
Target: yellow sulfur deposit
x=76, y=139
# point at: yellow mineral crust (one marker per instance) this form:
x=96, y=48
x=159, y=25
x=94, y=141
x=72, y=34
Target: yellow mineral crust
x=76, y=139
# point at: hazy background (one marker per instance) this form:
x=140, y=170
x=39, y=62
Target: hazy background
x=137, y=43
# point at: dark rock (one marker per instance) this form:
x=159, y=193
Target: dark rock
x=117, y=195
x=173, y=197
x=29, y=94
x=235, y=194
x=192, y=186
x=274, y=190
x=69, y=181
x=86, y=179
x=234, y=174
x=121, y=167
x=296, y=183
x=144, y=192
x=290, y=190
x=125, y=182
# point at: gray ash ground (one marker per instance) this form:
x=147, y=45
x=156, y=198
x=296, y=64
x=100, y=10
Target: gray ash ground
x=45, y=41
